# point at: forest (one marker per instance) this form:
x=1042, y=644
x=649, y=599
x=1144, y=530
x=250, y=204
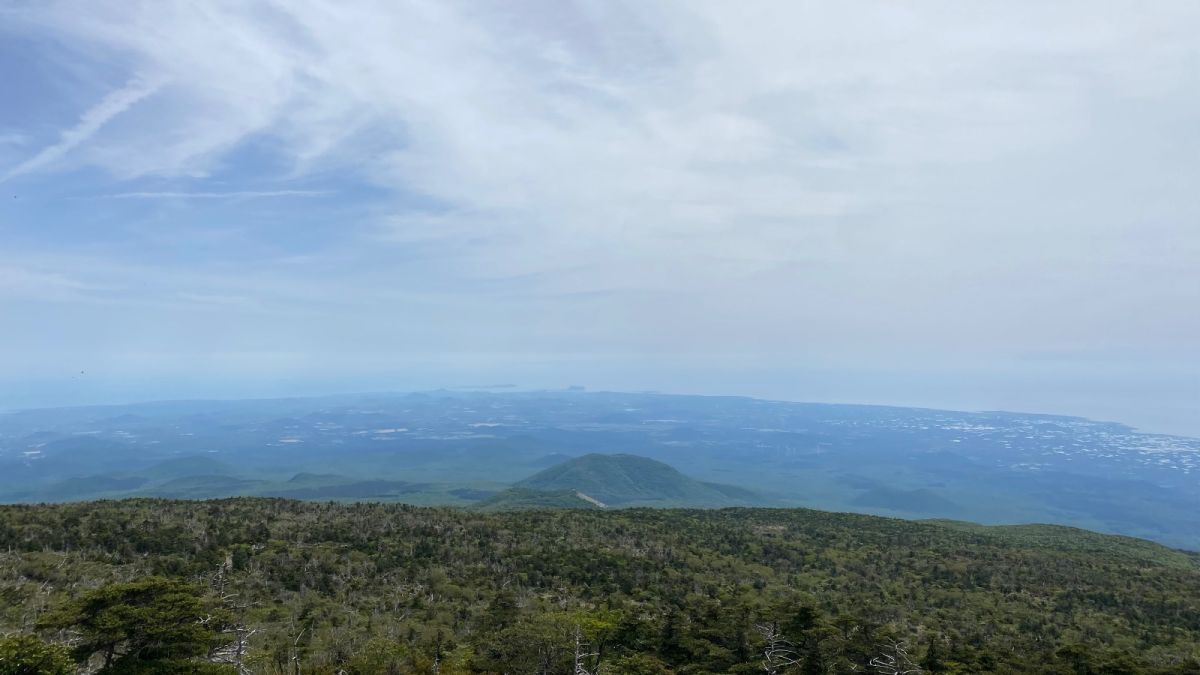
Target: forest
x=273, y=586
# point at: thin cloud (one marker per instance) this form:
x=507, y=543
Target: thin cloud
x=233, y=194
x=89, y=124
x=23, y=283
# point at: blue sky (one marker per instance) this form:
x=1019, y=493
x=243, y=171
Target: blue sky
x=989, y=205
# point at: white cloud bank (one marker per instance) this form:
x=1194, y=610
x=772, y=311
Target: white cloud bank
x=789, y=179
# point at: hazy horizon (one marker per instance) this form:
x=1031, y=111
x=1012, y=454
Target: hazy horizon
x=855, y=391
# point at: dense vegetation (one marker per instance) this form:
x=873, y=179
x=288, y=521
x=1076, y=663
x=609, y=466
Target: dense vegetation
x=293, y=587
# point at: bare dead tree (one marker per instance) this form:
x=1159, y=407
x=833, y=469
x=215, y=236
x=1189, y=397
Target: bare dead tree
x=583, y=654
x=234, y=651
x=894, y=660
x=779, y=653
x=296, y=632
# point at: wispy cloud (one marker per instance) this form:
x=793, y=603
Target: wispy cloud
x=679, y=146
x=89, y=123
x=25, y=283
x=231, y=194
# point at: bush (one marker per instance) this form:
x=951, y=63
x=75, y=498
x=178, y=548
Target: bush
x=636, y=664
x=139, y=626
x=28, y=655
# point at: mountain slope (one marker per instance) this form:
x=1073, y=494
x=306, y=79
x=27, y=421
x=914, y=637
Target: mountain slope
x=518, y=498
x=182, y=467
x=627, y=480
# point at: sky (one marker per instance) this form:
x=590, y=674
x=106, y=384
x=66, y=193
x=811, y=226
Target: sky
x=987, y=205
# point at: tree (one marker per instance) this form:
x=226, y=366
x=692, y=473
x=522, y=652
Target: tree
x=27, y=655
x=933, y=662
x=779, y=653
x=147, y=625
x=636, y=664
x=583, y=654
x=539, y=645
x=893, y=659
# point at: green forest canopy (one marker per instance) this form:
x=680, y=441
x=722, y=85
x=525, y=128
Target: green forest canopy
x=284, y=586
